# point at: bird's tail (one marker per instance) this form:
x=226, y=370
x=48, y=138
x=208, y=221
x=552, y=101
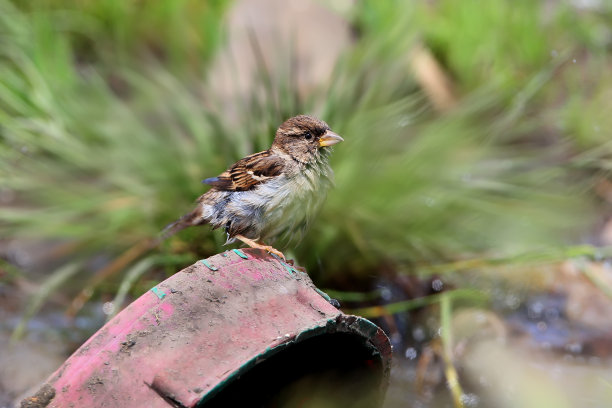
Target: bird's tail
x=188, y=220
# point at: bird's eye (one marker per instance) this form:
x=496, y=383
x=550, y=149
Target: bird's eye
x=308, y=136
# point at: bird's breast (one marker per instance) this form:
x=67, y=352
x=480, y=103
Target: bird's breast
x=288, y=203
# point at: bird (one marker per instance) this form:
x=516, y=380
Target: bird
x=271, y=194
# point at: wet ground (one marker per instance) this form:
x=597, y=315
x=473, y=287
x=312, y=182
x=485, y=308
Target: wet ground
x=49, y=339
x=548, y=347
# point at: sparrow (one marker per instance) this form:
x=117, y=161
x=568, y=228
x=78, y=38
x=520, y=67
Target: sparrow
x=271, y=194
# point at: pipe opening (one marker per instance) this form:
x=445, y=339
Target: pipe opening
x=330, y=370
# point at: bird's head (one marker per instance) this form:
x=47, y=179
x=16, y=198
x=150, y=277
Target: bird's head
x=304, y=138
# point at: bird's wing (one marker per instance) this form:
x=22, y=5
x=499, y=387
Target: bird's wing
x=248, y=172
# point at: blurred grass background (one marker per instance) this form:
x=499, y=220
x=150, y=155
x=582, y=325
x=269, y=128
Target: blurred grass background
x=477, y=134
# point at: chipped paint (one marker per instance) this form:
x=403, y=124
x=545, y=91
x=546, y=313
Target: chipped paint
x=323, y=294
x=160, y=294
x=240, y=254
x=208, y=265
x=289, y=269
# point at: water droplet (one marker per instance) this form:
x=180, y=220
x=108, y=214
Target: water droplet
x=396, y=339
x=574, y=60
x=535, y=310
x=512, y=301
x=470, y=400
x=411, y=353
x=108, y=308
x=554, y=53
x=574, y=348
x=437, y=285
x=418, y=333
x=385, y=293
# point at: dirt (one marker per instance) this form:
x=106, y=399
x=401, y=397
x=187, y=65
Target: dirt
x=41, y=399
x=93, y=382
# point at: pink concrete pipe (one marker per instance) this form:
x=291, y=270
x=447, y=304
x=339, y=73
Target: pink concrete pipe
x=200, y=332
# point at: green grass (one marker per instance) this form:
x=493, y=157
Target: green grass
x=183, y=34
x=106, y=131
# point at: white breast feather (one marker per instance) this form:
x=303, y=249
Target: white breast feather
x=287, y=204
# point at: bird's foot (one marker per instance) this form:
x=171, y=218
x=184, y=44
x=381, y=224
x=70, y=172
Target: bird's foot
x=274, y=251
x=253, y=244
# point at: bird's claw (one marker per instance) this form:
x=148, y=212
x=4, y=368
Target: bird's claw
x=276, y=252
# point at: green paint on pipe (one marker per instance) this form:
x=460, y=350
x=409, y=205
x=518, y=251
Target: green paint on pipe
x=209, y=266
x=289, y=269
x=160, y=294
x=240, y=254
x=323, y=294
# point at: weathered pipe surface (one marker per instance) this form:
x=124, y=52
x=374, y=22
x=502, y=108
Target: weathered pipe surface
x=237, y=329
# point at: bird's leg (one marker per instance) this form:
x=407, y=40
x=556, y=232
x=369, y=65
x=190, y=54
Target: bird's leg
x=253, y=244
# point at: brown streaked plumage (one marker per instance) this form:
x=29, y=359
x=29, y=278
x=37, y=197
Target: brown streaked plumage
x=248, y=172
x=272, y=193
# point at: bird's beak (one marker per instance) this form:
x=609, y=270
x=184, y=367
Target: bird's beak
x=329, y=139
